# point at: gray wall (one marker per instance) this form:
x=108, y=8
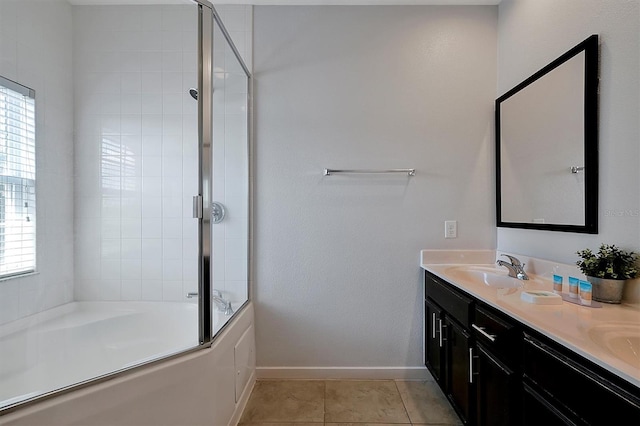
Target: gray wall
x=337, y=279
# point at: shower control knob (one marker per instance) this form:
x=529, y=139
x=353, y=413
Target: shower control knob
x=217, y=212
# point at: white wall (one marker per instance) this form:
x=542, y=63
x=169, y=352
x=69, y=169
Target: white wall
x=338, y=281
x=531, y=33
x=36, y=51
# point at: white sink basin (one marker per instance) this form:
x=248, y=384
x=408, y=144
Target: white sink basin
x=492, y=277
x=622, y=340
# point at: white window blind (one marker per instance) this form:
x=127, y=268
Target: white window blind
x=17, y=179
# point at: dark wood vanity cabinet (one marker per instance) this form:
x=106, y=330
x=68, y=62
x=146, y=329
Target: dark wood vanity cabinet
x=448, y=341
x=497, y=371
x=473, y=353
x=575, y=389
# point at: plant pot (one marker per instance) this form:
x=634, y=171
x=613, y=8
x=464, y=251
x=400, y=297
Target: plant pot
x=607, y=290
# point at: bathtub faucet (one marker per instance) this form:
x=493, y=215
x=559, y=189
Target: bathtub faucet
x=221, y=303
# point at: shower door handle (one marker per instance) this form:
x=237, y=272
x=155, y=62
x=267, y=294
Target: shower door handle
x=218, y=212
x=197, y=206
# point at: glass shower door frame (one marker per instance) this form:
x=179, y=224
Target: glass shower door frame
x=207, y=15
x=202, y=205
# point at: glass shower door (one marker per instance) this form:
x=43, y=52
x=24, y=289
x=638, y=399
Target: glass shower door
x=230, y=195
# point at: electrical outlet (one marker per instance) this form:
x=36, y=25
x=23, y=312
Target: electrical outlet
x=451, y=229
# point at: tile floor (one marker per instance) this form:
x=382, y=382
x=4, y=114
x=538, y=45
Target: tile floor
x=347, y=402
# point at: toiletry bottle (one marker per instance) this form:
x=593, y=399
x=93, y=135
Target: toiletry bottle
x=557, y=284
x=573, y=287
x=585, y=292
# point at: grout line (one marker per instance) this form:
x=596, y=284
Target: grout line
x=324, y=402
x=395, y=383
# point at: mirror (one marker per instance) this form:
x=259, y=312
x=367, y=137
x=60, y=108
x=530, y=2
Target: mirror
x=547, y=146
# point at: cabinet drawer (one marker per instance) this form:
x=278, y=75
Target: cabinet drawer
x=585, y=392
x=452, y=301
x=498, y=333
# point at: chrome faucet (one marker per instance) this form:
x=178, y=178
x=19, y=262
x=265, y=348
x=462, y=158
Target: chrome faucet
x=222, y=304
x=516, y=268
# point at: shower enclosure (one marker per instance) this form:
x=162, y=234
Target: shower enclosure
x=141, y=206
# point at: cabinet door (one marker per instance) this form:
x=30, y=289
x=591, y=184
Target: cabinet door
x=537, y=411
x=433, y=340
x=497, y=391
x=459, y=357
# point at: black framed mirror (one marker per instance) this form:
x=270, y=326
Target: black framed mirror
x=547, y=146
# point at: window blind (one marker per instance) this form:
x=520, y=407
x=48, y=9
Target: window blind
x=17, y=179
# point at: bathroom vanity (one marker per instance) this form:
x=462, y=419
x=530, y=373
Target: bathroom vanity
x=501, y=361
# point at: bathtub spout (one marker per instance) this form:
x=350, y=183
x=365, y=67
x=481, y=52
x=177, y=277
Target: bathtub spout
x=222, y=305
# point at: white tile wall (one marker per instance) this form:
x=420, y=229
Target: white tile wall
x=136, y=153
x=136, y=147
x=35, y=50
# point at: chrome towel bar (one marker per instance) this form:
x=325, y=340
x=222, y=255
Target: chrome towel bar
x=409, y=172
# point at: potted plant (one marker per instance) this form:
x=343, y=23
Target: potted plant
x=608, y=270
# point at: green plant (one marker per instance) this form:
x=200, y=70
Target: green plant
x=610, y=263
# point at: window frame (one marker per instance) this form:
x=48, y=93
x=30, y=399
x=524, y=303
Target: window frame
x=15, y=182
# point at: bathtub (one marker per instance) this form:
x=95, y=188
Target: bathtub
x=207, y=386
x=83, y=340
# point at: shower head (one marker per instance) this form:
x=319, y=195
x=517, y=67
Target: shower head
x=194, y=93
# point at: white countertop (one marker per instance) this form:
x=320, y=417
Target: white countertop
x=568, y=324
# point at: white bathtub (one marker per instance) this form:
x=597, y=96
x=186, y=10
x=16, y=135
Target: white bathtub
x=209, y=386
x=83, y=340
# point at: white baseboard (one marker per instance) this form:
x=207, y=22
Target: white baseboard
x=328, y=373
x=244, y=398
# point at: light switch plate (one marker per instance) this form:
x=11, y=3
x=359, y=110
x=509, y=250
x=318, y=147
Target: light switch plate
x=451, y=229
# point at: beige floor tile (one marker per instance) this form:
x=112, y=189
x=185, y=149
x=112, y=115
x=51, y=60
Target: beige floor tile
x=283, y=424
x=376, y=401
x=364, y=424
x=289, y=401
x=425, y=403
